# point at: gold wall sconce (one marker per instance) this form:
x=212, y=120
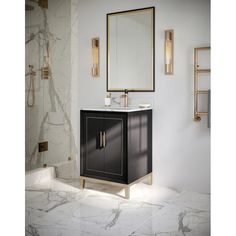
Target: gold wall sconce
x=95, y=54
x=169, y=52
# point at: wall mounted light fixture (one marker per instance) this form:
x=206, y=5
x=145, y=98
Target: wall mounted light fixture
x=169, y=52
x=95, y=54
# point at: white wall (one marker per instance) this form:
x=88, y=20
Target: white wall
x=181, y=147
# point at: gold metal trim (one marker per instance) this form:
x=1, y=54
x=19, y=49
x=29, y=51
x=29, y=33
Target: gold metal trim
x=82, y=183
x=43, y=3
x=104, y=139
x=83, y=179
x=100, y=140
x=197, y=72
x=45, y=72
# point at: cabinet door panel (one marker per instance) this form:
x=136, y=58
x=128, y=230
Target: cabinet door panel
x=94, y=155
x=107, y=161
x=114, y=145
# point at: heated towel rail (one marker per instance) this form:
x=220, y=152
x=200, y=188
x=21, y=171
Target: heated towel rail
x=198, y=72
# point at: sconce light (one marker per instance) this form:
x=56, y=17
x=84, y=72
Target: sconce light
x=95, y=53
x=169, y=53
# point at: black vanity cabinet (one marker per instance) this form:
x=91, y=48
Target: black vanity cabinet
x=116, y=146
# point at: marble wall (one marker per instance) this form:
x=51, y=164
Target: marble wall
x=49, y=39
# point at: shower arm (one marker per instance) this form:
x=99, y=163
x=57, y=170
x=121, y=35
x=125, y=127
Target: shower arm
x=41, y=3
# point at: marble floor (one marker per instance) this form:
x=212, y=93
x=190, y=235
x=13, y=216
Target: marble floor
x=60, y=208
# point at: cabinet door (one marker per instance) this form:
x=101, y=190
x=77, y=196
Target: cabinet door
x=103, y=156
x=92, y=158
x=115, y=149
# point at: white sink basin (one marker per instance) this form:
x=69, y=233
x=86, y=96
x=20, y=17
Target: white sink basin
x=120, y=108
x=117, y=109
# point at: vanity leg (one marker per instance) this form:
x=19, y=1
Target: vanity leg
x=150, y=179
x=82, y=183
x=127, y=192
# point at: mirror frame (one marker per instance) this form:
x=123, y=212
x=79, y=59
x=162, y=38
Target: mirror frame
x=153, y=51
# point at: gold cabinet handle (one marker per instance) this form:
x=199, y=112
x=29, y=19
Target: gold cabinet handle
x=104, y=139
x=100, y=140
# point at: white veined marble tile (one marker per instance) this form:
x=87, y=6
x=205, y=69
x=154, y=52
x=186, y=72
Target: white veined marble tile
x=60, y=208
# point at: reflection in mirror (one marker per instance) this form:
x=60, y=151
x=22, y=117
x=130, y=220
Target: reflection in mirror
x=130, y=50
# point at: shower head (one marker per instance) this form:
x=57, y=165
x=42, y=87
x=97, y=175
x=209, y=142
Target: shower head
x=41, y=3
x=29, y=7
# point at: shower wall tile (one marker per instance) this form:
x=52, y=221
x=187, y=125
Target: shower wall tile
x=50, y=118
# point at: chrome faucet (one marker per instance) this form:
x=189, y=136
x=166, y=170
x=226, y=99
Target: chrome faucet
x=125, y=96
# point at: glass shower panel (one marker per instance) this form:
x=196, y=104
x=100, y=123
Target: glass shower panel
x=34, y=105
x=48, y=85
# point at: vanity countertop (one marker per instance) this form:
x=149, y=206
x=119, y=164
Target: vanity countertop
x=117, y=109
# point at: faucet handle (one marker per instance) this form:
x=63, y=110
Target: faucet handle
x=125, y=96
